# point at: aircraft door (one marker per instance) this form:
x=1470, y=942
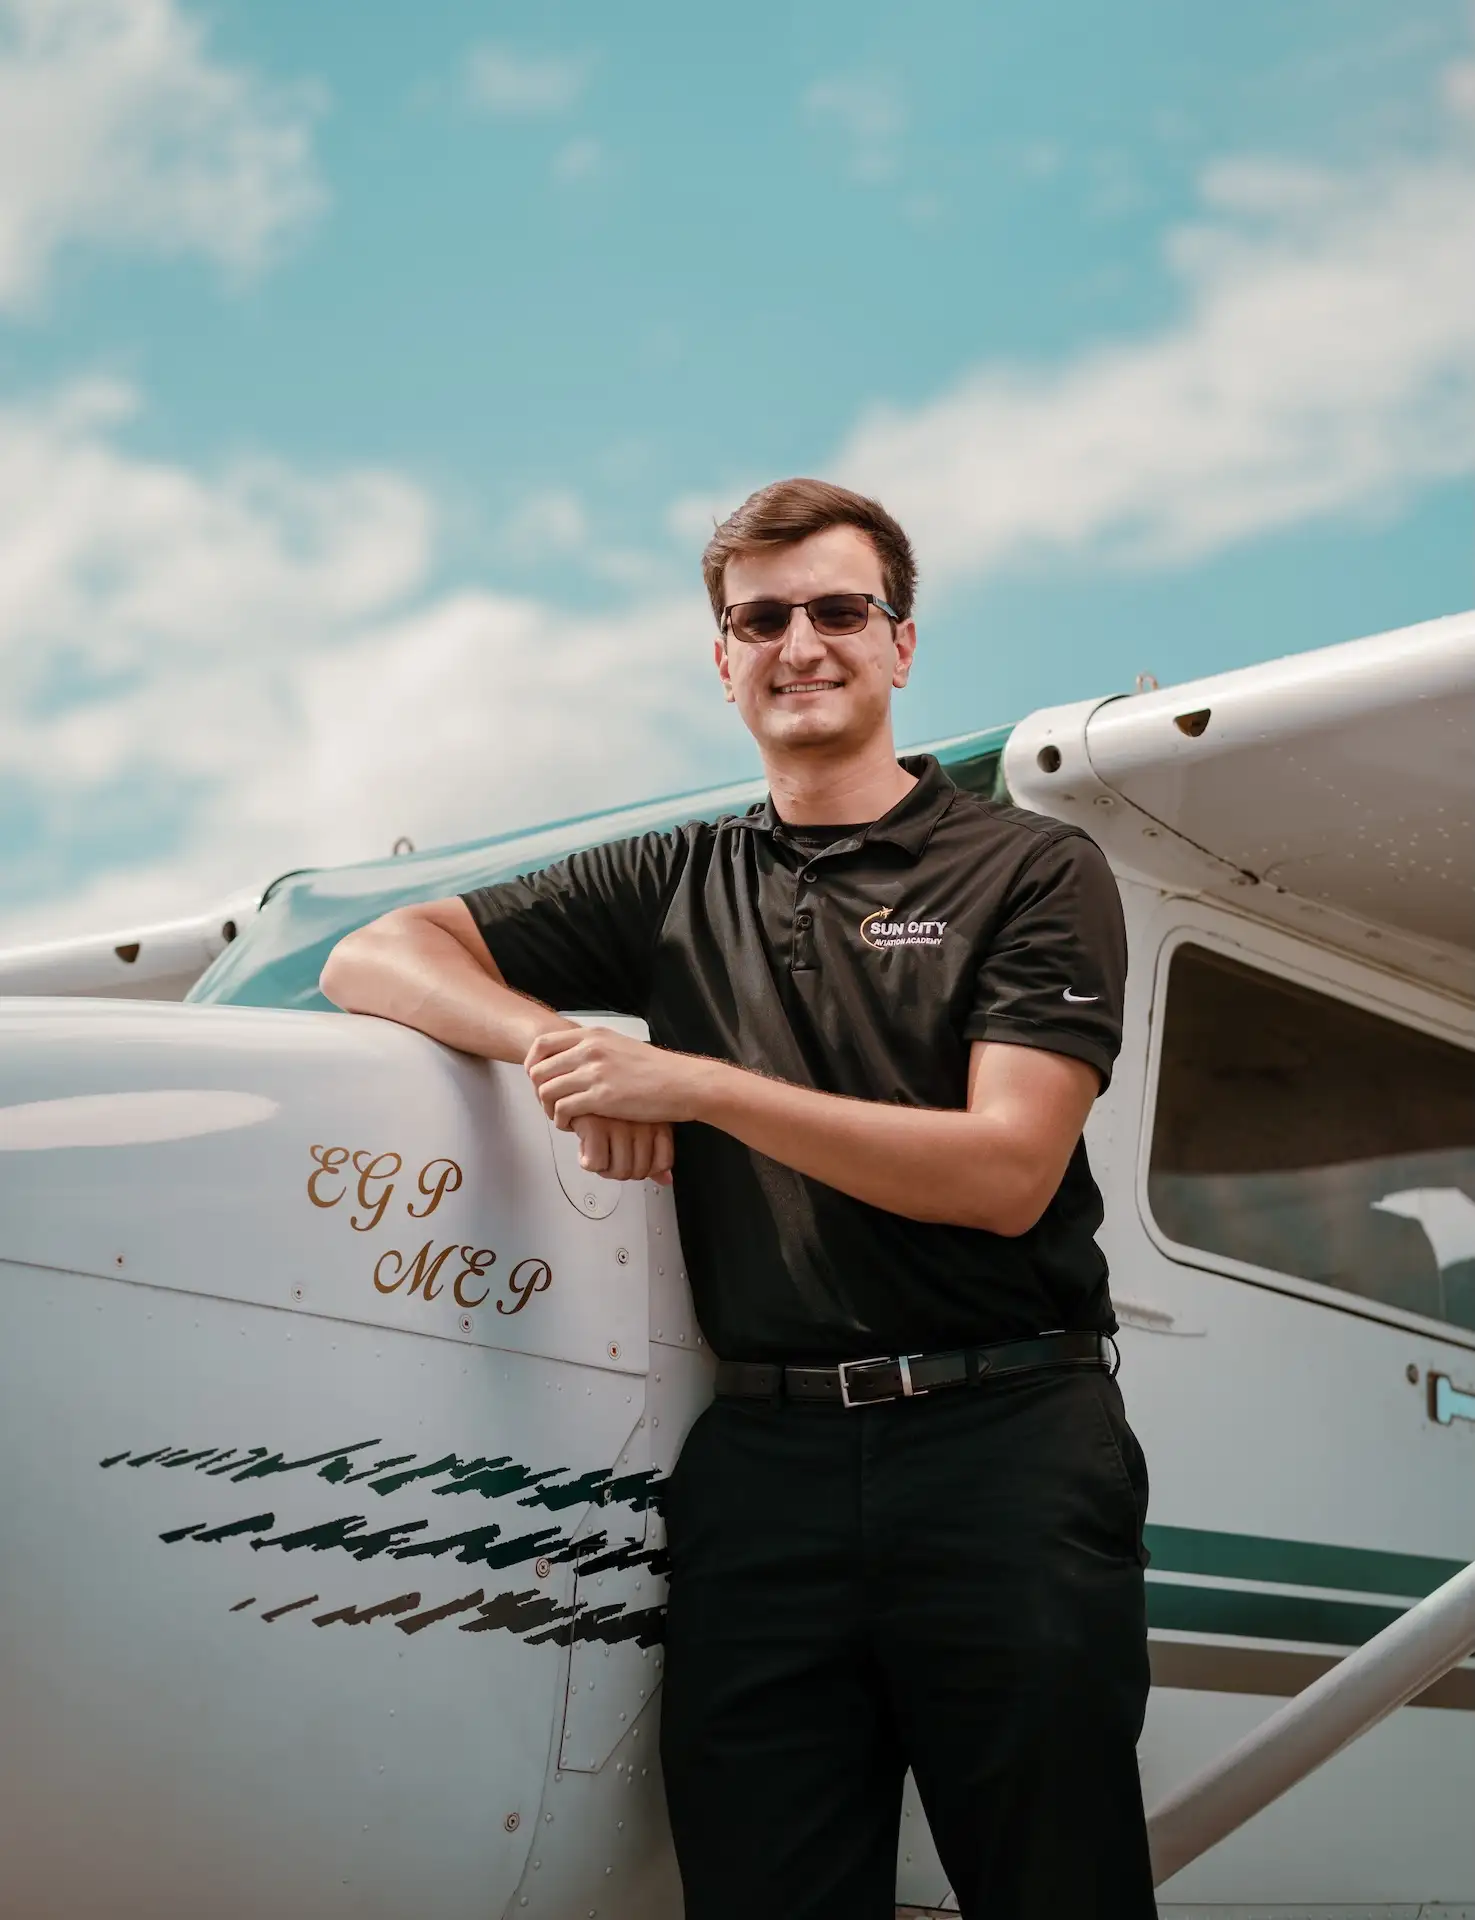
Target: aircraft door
x=1307, y=1187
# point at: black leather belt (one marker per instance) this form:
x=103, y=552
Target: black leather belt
x=861, y=1383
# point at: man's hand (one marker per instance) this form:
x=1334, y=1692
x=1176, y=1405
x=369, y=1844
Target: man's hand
x=581, y=1072
x=625, y=1149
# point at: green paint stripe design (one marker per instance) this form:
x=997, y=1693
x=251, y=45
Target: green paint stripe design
x=1297, y=1563
x=1266, y=1616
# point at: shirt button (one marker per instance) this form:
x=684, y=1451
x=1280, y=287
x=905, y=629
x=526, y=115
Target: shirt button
x=803, y=919
x=809, y=874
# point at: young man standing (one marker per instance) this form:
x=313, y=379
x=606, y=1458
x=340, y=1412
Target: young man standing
x=908, y=1531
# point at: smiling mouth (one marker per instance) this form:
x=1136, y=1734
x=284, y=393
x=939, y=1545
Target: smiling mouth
x=809, y=686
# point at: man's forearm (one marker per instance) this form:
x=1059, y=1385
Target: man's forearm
x=408, y=969
x=965, y=1168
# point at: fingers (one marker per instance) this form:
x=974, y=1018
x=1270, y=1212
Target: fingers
x=625, y=1149
x=570, y=1096
x=558, y=1066
x=593, y=1137
x=548, y=1044
x=642, y=1147
x=621, y=1151
x=569, y=1107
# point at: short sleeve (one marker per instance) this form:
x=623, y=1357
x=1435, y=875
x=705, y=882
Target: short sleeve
x=1055, y=971
x=580, y=934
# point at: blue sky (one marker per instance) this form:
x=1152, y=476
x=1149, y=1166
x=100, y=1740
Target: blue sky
x=367, y=378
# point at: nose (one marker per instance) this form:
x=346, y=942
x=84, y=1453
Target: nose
x=802, y=645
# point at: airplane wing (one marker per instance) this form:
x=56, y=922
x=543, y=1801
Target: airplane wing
x=1331, y=791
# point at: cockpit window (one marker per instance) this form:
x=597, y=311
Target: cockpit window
x=1299, y=1133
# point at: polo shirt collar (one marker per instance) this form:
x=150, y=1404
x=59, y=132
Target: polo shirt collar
x=910, y=822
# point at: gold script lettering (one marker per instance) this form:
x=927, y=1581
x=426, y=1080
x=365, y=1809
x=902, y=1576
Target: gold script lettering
x=398, y=1258
x=539, y=1275
x=330, y=1160
x=448, y=1180
x=477, y=1259
x=421, y=1273
x=381, y=1166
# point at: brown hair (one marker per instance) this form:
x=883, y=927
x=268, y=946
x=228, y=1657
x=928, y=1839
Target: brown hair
x=788, y=511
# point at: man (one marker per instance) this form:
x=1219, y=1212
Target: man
x=880, y=1010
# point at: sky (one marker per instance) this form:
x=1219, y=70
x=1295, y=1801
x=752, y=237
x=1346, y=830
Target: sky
x=370, y=379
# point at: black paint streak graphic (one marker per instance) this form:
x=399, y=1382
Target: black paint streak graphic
x=342, y=1533
x=517, y=1613
x=392, y=1482
x=191, y=1459
x=258, y=1523
x=227, y=1465
x=478, y=1548
x=646, y=1626
x=276, y=1464
x=624, y=1559
x=537, y=1617
x=418, y=1622
x=337, y=1470
x=361, y=1616
x=291, y=1607
x=494, y=1478
x=633, y=1490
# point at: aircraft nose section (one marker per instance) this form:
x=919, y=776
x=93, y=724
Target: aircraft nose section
x=334, y=1555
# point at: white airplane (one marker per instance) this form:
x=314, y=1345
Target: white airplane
x=336, y=1401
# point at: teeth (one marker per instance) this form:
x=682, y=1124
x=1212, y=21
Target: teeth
x=807, y=686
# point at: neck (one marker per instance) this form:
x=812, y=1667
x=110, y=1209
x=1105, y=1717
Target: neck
x=813, y=790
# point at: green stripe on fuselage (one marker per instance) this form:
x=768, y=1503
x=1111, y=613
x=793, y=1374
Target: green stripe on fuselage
x=1296, y=1563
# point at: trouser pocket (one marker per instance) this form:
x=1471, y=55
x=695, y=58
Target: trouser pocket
x=1128, y=1460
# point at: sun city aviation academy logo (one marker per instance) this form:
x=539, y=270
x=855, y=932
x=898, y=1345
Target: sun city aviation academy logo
x=880, y=931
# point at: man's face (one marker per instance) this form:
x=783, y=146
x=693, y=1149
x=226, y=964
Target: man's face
x=807, y=690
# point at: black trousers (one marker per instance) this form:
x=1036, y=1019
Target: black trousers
x=952, y=1584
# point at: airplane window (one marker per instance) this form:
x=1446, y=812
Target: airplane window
x=1299, y=1133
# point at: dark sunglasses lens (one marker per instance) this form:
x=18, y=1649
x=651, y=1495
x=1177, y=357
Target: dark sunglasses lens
x=760, y=620
x=840, y=613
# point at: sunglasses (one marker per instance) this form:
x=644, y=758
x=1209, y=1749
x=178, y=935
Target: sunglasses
x=831, y=614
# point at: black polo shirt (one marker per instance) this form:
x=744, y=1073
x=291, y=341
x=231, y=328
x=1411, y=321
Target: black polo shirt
x=865, y=967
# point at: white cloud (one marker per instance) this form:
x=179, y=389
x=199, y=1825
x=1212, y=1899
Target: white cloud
x=1322, y=367
x=118, y=128
x=260, y=657
x=694, y=516
x=865, y=116
x=546, y=525
x=580, y=160
x=515, y=85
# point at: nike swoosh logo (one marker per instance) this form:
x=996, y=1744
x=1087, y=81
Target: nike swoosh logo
x=1080, y=998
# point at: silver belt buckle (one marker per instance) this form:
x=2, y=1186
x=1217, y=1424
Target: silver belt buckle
x=908, y=1390
x=876, y=1360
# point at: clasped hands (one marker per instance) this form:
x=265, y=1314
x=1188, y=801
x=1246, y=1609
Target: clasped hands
x=619, y=1096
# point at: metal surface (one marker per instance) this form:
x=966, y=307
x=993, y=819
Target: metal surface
x=1401, y=1661
x=1332, y=792
x=157, y=962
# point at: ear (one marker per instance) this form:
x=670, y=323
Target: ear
x=724, y=670
x=906, y=647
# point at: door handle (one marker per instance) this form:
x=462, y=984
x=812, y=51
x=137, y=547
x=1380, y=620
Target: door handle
x=1447, y=1401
